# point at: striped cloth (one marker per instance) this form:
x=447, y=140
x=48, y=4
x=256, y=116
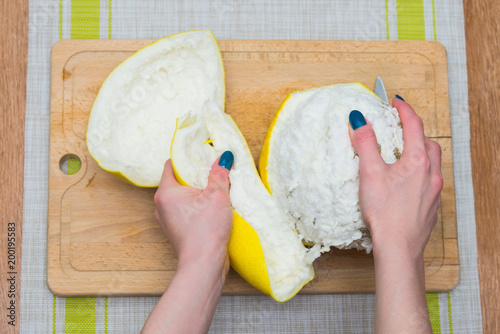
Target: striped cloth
x=456, y=311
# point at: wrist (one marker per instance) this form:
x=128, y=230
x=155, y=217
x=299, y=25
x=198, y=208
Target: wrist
x=396, y=242
x=397, y=251
x=205, y=264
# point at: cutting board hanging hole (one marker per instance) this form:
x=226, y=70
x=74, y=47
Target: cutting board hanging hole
x=70, y=164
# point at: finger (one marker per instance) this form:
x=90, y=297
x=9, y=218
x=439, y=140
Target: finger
x=413, y=127
x=364, y=141
x=168, y=179
x=434, y=153
x=219, y=175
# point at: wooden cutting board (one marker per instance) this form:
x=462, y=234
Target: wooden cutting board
x=102, y=235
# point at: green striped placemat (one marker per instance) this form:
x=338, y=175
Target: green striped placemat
x=92, y=19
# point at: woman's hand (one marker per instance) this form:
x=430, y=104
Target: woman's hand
x=196, y=222
x=198, y=225
x=399, y=204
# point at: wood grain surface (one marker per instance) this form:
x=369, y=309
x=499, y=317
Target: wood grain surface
x=13, y=57
x=483, y=70
x=103, y=239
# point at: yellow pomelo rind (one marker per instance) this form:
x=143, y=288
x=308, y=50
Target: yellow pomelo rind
x=246, y=255
x=117, y=173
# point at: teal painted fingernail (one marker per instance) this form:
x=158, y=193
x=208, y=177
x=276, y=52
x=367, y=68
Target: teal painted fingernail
x=399, y=97
x=356, y=119
x=226, y=160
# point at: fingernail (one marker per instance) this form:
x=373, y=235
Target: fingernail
x=399, y=97
x=356, y=119
x=226, y=160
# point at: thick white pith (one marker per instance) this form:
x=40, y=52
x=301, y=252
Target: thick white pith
x=133, y=118
x=312, y=166
x=289, y=263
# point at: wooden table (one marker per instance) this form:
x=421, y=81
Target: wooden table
x=13, y=59
x=483, y=48
x=482, y=32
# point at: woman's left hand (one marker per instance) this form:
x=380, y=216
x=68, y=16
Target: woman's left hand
x=196, y=222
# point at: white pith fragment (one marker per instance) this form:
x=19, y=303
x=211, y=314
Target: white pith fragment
x=289, y=263
x=313, y=170
x=133, y=118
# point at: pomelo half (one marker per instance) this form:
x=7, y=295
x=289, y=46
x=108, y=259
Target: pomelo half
x=133, y=117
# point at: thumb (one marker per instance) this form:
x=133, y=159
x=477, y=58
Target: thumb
x=364, y=141
x=219, y=175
